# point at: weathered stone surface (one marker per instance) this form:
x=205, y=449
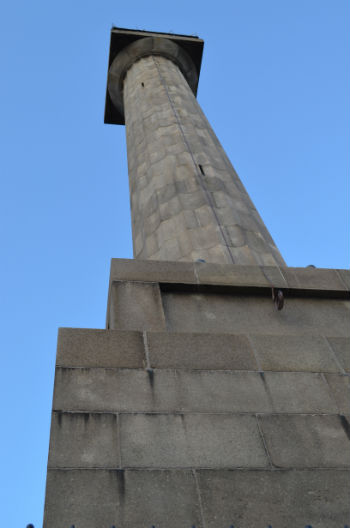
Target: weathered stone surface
x=299, y=392
x=341, y=348
x=313, y=278
x=160, y=390
x=84, y=440
x=81, y=497
x=216, y=313
x=200, y=351
x=345, y=277
x=294, y=353
x=304, y=441
x=173, y=152
x=159, y=498
x=215, y=391
x=191, y=440
x=340, y=388
x=129, y=499
x=283, y=499
x=103, y=390
x=239, y=275
x=204, y=273
x=152, y=271
x=135, y=306
x=77, y=347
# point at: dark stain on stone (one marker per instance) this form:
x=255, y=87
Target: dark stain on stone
x=86, y=417
x=267, y=389
x=151, y=377
x=73, y=369
x=183, y=422
x=262, y=376
x=121, y=482
x=59, y=418
x=345, y=425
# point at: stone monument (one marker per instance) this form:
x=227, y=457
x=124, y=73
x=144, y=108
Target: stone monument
x=218, y=394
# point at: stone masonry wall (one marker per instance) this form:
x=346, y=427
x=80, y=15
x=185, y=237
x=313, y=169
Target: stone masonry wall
x=212, y=427
x=187, y=202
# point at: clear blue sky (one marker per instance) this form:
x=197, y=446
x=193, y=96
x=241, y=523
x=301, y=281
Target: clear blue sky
x=274, y=85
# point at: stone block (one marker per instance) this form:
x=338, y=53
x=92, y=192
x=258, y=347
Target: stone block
x=84, y=440
x=168, y=191
x=236, y=235
x=158, y=498
x=280, y=499
x=204, y=237
x=159, y=391
x=318, y=278
x=103, y=390
x=127, y=499
x=245, y=255
x=273, y=273
x=204, y=215
x=215, y=391
x=168, y=229
x=170, y=208
x=86, y=498
x=236, y=313
x=258, y=244
x=151, y=245
x=266, y=258
x=135, y=306
x=306, y=441
x=290, y=277
x=340, y=388
x=79, y=347
x=341, y=348
x=345, y=277
x=217, y=252
x=294, y=353
x=299, y=392
x=191, y=440
x=170, y=249
x=123, y=269
x=230, y=275
x=192, y=200
x=200, y=351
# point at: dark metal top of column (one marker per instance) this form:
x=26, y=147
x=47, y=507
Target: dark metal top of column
x=121, y=38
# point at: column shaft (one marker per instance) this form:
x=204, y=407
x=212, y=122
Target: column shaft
x=187, y=202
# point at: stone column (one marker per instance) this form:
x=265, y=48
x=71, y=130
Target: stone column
x=187, y=202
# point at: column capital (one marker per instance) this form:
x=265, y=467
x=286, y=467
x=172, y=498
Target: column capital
x=128, y=46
